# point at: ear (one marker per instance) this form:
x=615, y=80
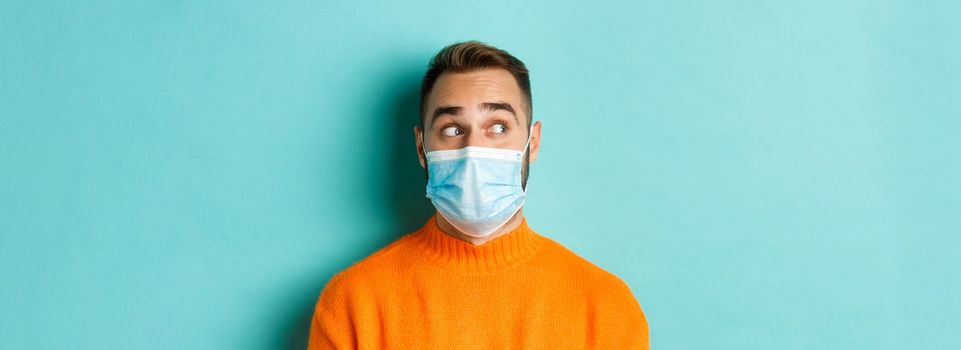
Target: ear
x=535, y=141
x=419, y=141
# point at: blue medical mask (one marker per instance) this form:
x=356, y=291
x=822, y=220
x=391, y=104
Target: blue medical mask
x=477, y=189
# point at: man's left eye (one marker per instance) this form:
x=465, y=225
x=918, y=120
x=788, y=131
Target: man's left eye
x=499, y=128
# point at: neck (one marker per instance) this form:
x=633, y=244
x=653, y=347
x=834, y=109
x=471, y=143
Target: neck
x=509, y=226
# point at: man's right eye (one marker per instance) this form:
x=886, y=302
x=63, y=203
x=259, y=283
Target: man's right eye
x=452, y=131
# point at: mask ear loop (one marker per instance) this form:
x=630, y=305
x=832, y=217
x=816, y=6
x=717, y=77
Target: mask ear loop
x=423, y=142
x=530, y=133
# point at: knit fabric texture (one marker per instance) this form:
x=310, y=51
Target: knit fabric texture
x=431, y=290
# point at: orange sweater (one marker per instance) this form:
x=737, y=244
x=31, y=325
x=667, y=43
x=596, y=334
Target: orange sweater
x=430, y=290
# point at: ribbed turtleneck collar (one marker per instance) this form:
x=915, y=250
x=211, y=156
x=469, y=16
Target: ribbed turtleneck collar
x=500, y=253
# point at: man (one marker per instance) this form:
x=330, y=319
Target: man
x=476, y=276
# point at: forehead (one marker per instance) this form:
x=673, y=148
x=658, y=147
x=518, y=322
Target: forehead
x=467, y=89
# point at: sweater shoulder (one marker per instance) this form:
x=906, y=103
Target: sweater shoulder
x=602, y=287
x=583, y=268
x=381, y=261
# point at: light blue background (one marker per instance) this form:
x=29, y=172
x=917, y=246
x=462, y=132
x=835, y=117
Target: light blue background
x=764, y=175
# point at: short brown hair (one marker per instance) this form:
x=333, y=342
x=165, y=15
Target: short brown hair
x=474, y=55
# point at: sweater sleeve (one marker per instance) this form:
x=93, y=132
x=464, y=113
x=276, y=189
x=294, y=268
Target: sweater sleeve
x=641, y=337
x=330, y=327
x=624, y=325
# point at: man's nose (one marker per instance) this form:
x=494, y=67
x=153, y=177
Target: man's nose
x=476, y=138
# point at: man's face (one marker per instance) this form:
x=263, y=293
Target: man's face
x=478, y=108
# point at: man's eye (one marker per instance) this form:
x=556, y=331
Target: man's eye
x=452, y=131
x=499, y=128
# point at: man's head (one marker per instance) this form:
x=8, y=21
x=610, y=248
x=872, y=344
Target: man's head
x=474, y=94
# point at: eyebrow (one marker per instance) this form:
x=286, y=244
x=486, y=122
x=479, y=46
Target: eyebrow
x=484, y=106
